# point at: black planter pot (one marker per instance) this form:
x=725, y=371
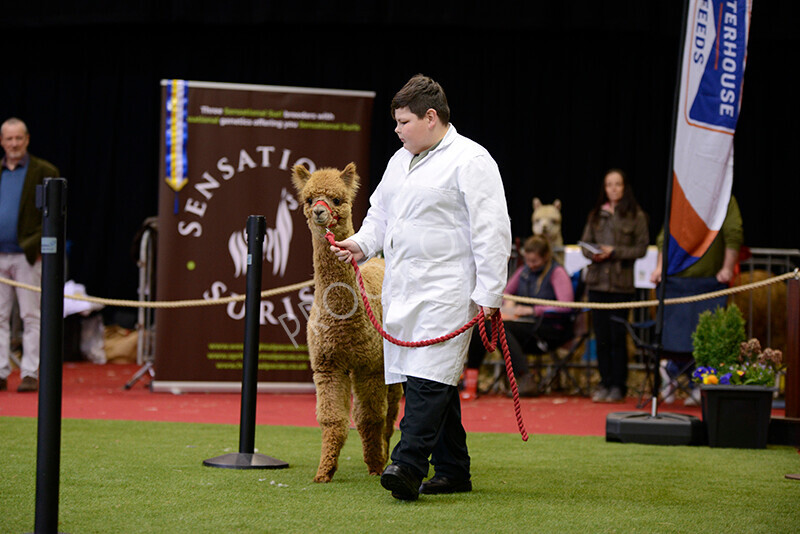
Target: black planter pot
x=737, y=416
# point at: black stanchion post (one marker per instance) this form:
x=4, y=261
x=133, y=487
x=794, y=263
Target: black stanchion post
x=246, y=458
x=51, y=198
x=256, y=227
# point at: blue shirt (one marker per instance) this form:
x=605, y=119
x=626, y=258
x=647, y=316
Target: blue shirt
x=11, y=183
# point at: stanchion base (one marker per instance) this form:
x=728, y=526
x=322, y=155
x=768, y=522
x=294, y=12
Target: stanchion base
x=663, y=429
x=147, y=368
x=245, y=460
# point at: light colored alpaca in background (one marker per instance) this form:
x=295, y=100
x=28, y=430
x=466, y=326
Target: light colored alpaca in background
x=546, y=221
x=345, y=350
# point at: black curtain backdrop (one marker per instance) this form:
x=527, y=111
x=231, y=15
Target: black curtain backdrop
x=558, y=92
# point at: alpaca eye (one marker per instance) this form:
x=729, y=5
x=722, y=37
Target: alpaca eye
x=336, y=201
x=308, y=201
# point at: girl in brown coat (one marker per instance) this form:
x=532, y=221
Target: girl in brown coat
x=617, y=226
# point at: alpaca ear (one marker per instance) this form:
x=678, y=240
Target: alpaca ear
x=300, y=177
x=536, y=203
x=350, y=177
x=557, y=204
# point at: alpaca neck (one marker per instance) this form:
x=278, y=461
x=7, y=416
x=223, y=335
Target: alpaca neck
x=327, y=267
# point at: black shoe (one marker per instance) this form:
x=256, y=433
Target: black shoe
x=439, y=484
x=403, y=484
x=28, y=385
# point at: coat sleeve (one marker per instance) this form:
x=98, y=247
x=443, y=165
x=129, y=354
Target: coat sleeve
x=588, y=237
x=370, y=236
x=489, y=228
x=732, y=230
x=29, y=232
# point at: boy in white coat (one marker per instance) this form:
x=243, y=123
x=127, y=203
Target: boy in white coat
x=439, y=215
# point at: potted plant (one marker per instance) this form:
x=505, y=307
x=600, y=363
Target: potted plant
x=737, y=380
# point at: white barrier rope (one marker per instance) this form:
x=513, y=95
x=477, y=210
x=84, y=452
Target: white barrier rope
x=525, y=300
x=667, y=302
x=165, y=304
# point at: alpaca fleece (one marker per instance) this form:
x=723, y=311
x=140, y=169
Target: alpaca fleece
x=345, y=350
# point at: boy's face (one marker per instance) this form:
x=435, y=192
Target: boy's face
x=414, y=132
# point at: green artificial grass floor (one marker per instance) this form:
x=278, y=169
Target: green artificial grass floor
x=126, y=476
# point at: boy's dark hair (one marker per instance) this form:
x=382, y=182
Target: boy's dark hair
x=420, y=94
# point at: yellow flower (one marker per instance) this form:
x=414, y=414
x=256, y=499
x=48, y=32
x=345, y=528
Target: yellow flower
x=710, y=379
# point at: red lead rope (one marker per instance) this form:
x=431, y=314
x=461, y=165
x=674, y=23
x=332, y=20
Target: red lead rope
x=498, y=332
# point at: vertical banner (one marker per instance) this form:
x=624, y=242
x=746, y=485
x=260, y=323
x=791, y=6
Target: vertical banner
x=712, y=77
x=226, y=153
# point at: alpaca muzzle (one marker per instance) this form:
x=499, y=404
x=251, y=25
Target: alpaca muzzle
x=319, y=208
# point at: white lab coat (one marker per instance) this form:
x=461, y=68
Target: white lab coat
x=444, y=230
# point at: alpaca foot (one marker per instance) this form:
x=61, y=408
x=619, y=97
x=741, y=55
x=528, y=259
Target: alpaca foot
x=375, y=466
x=322, y=478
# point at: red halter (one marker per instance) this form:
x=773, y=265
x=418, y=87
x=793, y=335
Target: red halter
x=334, y=218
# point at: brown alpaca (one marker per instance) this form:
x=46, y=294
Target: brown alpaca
x=345, y=350
x=763, y=308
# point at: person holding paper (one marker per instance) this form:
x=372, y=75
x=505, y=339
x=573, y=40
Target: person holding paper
x=617, y=226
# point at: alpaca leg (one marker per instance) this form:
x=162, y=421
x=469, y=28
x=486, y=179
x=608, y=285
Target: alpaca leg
x=333, y=416
x=369, y=413
x=394, y=394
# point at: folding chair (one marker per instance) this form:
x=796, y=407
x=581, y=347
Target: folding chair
x=560, y=345
x=649, y=351
x=676, y=377
x=562, y=349
x=562, y=352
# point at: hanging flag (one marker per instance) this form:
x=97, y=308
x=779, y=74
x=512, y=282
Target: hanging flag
x=176, y=135
x=712, y=76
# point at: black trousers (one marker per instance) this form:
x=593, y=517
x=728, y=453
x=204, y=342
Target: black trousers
x=611, y=336
x=431, y=428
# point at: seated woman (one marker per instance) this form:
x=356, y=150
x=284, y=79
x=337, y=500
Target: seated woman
x=526, y=326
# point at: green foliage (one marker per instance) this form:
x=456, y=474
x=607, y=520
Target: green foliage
x=718, y=337
x=129, y=476
x=724, y=357
x=753, y=367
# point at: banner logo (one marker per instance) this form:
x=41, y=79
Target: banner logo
x=276, y=240
x=714, y=54
x=715, y=73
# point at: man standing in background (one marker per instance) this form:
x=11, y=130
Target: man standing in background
x=20, y=247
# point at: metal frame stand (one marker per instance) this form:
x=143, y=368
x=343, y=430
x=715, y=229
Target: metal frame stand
x=145, y=324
